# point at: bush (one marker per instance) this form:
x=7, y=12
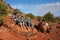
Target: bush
x=38, y=18
x=49, y=17
x=31, y=15
x=1, y=19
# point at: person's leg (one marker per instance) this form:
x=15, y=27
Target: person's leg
x=48, y=29
x=32, y=27
x=20, y=24
x=16, y=22
x=27, y=25
x=44, y=28
x=23, y=24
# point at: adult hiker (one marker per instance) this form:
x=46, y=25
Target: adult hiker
x=15, y=16
x=44, y=25
x=29, y=23
x=21, y=22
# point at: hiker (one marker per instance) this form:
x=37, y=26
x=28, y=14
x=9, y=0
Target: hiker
x=29, y=22
x=15, y=16
x=21, y=22
x=44, y=26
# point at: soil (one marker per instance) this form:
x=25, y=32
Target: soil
x=10, y=31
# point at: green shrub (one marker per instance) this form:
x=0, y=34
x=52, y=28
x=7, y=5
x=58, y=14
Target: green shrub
x=49, y=17
x=31, y=15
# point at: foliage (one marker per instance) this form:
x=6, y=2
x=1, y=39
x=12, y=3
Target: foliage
x=4, y=10
x=1, y=22
x=49, y=17
x=31, y=15
x=57, y=19
x=38, y=18
x=1, y=18
x=18, y=11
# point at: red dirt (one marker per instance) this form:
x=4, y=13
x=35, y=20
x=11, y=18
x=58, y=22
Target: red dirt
x=14, y=32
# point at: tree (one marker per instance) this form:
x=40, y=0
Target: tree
x=49, y=17
x=18, y=11
x=38, y=18
x=31, y=15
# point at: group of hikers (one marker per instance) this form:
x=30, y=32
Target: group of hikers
x=27, y=22
x=21, y=21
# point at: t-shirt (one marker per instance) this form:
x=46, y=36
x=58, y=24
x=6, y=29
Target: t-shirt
x=46, y=24
x=21, y=20
x=43, y=23
x=15, y=16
